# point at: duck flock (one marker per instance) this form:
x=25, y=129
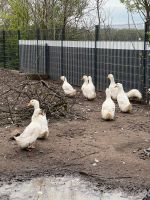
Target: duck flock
x=115, y=91
x=38, y=127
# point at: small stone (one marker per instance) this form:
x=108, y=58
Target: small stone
x=40, y=192
x=146, y=140
x=94, y=164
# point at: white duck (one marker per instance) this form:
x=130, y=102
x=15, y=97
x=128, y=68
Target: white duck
x=31, y=132
x=134, y=93
x=42, y=118
x=108, y=107
x=88, y=88
x=122, y=99
x=112, y=87
x=67, y=88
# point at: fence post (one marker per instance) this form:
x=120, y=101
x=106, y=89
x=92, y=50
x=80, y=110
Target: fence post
x=95, y=54
x=145, y=56
x=144, y=64
x=46, y=59
x=19, y=37
x=4, y=49
x=62, y=55
x=37, y=50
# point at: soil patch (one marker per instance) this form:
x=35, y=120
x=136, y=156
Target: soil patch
x=106, y=152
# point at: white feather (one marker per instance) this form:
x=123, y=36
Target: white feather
x=108, y=107
x=134, y=93
x=112, y=87
x=88, y=88
x=38, y=127
x=67, y=88
x=122, y=99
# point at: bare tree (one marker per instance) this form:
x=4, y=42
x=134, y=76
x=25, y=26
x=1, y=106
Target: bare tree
x=142, y=6
x=99, y=8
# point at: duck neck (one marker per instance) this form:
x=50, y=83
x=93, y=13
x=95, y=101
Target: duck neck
x=90, y=80
x=120, y=90
x=65, y=80
x=108, y=96
x=112, y=81
x=35, y=114
x=86, y=81
x=36, y=106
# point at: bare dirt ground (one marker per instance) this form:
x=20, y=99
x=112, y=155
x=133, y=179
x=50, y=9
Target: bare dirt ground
x=73, y=146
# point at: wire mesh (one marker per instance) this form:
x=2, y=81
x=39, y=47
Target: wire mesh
x=74, y=52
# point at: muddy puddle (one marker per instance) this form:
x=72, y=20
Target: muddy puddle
x=61, y=188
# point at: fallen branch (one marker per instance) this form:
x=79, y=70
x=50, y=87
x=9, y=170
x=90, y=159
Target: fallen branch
x=17, y=91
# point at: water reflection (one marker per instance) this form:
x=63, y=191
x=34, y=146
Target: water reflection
x=64, y=188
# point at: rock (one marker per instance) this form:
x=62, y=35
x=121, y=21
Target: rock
x=96, y=160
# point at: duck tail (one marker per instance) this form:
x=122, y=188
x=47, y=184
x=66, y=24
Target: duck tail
x=109, y=116
x=139, y=96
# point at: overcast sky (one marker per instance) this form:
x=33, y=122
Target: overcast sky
x=118, y=13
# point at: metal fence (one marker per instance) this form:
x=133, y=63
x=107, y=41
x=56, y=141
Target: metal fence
x=96, y=52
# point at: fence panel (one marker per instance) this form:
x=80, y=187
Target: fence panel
x=81, y=54
x=54, y=59
x=123, y=61
x=78, y=60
